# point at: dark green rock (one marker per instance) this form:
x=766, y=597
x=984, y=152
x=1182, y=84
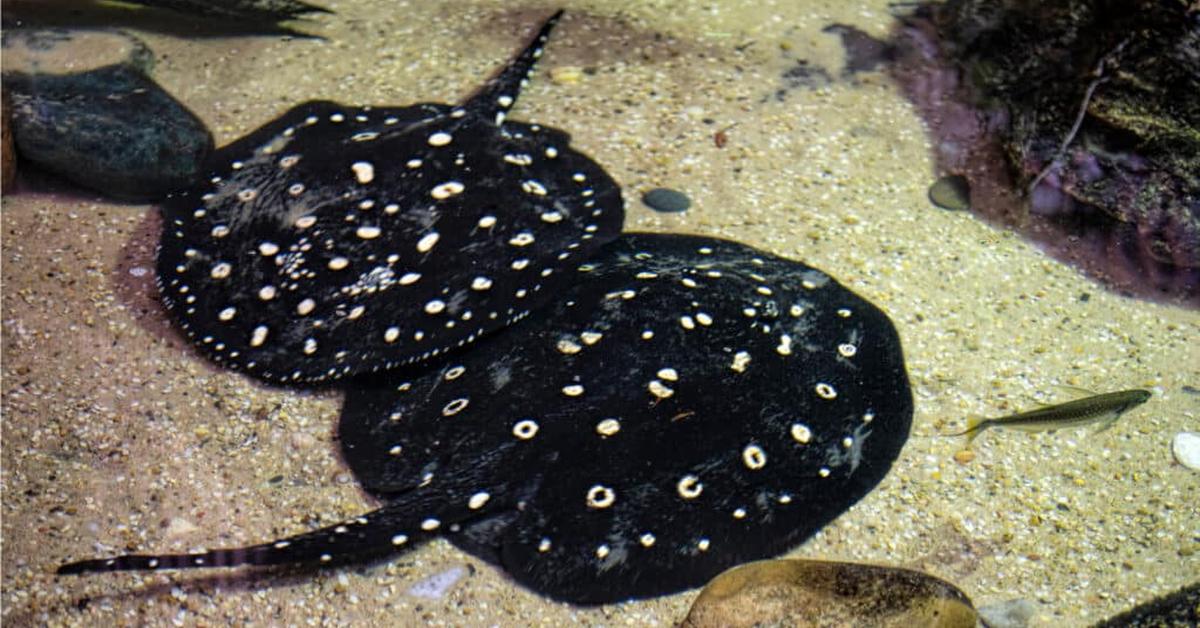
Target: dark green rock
x=951, y=192
x=666, y=200
x=111, y=129
x=1181, y=608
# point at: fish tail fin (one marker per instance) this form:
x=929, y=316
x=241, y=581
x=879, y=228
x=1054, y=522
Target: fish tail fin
x=975, y=425
x=499, y=94
x=384, y=531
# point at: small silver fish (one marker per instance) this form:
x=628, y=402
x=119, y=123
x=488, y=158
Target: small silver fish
x=1104, y=408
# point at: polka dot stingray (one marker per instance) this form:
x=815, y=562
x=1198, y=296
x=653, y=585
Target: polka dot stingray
x=687, y=404
x=337, y=240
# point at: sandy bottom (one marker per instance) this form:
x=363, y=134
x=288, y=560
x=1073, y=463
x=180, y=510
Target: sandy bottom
x=118, y=437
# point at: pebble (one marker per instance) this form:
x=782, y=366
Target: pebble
x=951, y=192
x=105, y=124
x=436, y=586
x=1009, y=614
x=666, y=200
x=59, y=51
x=566, y=75
x=1186, y=447
x=804, y=593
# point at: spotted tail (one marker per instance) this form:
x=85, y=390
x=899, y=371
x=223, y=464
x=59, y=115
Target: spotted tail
x=378, y=533
x=498, y=95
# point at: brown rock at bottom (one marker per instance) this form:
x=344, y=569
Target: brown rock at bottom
x=801, y=593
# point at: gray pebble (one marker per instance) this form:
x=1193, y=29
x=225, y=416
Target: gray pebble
x=666, y=200
x=951, y=192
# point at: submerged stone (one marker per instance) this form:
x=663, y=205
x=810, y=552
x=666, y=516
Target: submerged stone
x=666, y=200
x=811, y=593
x=109, y=128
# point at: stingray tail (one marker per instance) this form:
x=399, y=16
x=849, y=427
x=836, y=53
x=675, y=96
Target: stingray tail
x=387, y=530
x=499, y=94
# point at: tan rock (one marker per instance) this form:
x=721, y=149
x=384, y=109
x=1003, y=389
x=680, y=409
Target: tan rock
x=802, y=593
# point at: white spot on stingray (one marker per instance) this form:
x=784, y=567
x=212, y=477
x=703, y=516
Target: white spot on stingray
x=247, y=195
x=847, y=350
x=481, y=283
x=440, y=138
x=687, y=322
x=258, y=336
x=391, y=334
x=785, y=345
x=551, y=217
x=551, y=152
x=368, y=232
x=525, y=429
x=600, y=497
x=544, y=545
x=407, y=279
x=825, y=391
x=703, y=545
x=399, y=539
x=413, y=163
x=668, y=374
x=222, y=270
x=658, y=389
x=602, y=551
x=608, y=427
x=305, y=307
x=646, y=539
x=844, y=313
x=338, y=263
x=801, y=433
x=590, y=338
x=741, y=360
x=572, y=390
x=487, y=222
x=266, y=293
x=533, y=187
x=435, y=306
x=220, y=231
x=227, y=314
x=689, y=487
x=446, y=190
x=456, y=406
x=568, y=346
x=427, y=241
x=740, y=513
x=430, y=524
x=520, y=264
x=522, y=239
x=310, y=346
x=823, y=472
x=363, y=171
x=267, y=249
x=704, y=319
x=754, y=457
x=504, y=101
x=478, y=500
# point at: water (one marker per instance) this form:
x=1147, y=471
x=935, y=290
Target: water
x=117, y=436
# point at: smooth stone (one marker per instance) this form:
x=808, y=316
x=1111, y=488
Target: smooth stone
x=951, y=192
x=1010, y=614
x=666, y=200
x=1186, y=447
x=803, y=593
x=59, y=51
x=111, y=129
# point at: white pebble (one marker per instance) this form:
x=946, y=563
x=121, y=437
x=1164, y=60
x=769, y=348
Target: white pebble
x=1186, y=447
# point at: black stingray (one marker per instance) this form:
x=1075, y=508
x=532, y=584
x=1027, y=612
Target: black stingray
x=686, y=405
x=338, y=240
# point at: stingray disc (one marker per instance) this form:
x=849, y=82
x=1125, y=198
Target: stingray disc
x=339, y=240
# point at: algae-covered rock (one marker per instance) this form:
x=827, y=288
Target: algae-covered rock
x=1179, y=608
x=802, y=593
x=83, y=108
x=1088, y=110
